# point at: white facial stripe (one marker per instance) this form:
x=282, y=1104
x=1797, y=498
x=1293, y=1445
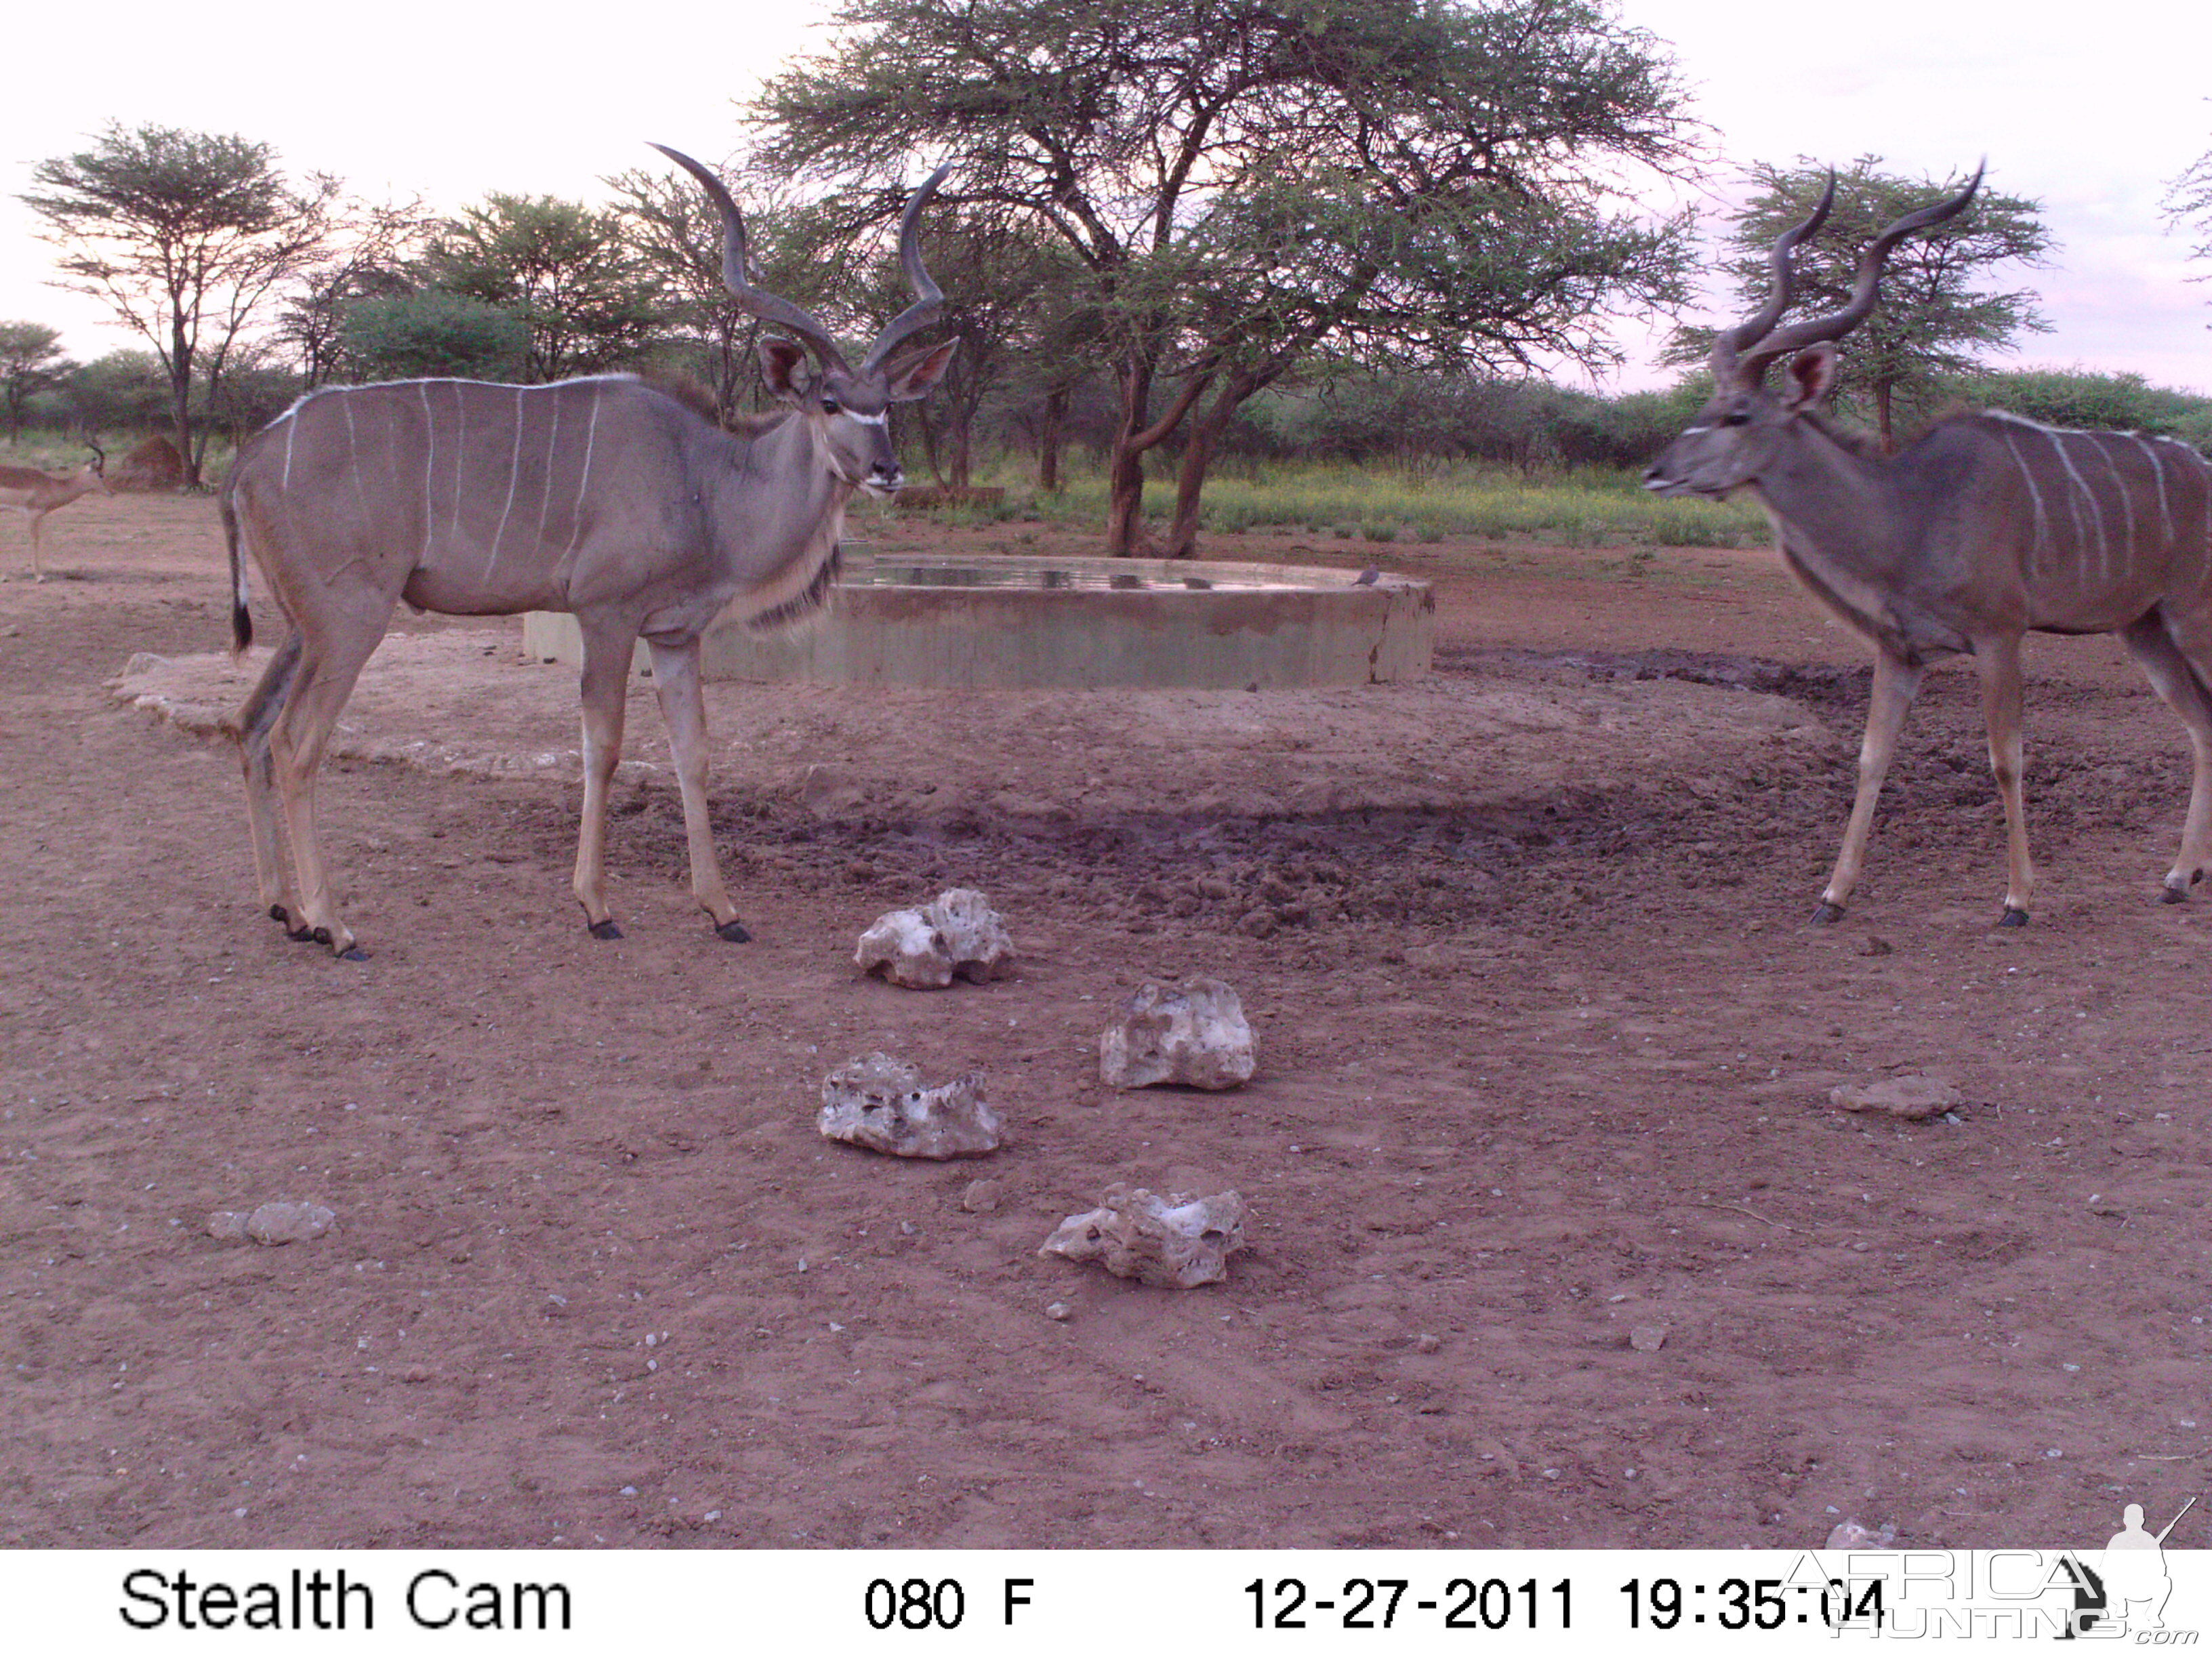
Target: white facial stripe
x=1692, y=431
x=882, y=420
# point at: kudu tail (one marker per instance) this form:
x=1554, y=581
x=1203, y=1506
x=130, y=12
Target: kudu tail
x=241, y=619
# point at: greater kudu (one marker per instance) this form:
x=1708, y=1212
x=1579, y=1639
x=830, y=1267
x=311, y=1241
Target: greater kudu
x=34, y=494
x=1986, y=528
x=602, y=497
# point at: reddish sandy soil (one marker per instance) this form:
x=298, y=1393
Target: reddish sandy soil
x=1546, y=1047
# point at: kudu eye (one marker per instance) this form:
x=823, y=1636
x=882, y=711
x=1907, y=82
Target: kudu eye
x=1736, y=417
x=830, y=405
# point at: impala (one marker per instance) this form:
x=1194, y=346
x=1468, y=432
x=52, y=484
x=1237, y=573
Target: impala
x=35, y=494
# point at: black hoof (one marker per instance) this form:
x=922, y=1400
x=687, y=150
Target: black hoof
x=321, y=936
x=2173, y=894
x=605, y=929
x=353, y=953
x=278, y=913
x=732, y=931
x=1826, y=913
x=2013, y=918
x=301, y=935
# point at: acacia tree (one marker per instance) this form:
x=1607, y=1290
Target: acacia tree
x=368, y=256
x=1933, y=319
x=1003, y=285
x=675, y=234
x=186, y=236
x=1240, y=181
x=564, y=268
x=2188, y=205
x=31, y=361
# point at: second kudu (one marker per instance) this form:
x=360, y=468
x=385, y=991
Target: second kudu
x=602, y=497
x=1986, y=528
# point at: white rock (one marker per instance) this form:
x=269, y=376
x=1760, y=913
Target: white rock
x=975, y=933
x=1197, y=1035
x=1178, y=1242
x=1909, y=1096
x=1850, y=1535
x=279, y=1222
x=879, y=1102
x=955, y=935
x=906, y=948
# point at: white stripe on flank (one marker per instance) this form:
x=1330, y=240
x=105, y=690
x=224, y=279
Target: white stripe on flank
x=583, y=483
x=545, y=490
x=461, y=463
x=353, y=457
x=2158, y=472
x=2034, y=493
x=2103, y=554
x=513, y=470
x=2127, y=507
x=291, y=432
x=429, y=464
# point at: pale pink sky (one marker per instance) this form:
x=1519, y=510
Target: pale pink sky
x=2088, y=110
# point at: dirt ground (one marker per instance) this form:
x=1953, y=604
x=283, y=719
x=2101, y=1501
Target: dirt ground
x=1545, y=1049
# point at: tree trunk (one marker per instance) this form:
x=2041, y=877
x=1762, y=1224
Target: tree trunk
x=1124, y=467
x=1125, y=499
x=1197, y=458
x=1881, y=397
x=180, y=402
x=958, y=449
x=922, y=419
x=1048, y=473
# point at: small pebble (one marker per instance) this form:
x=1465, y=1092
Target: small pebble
x=1057, y=1311
x=979, y=1197
x=1427, y=1342
x=1647, y=1339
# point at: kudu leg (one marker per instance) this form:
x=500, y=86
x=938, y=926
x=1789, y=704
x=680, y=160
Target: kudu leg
x=676, y=677
x=273, y=857
x=2173, y=673
x=38, y=548
x=1896, y=683
x=1998, y=663
x=302, y=732
x=607, y=653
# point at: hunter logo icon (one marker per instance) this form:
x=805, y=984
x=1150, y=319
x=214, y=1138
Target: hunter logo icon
x=2136, y=1581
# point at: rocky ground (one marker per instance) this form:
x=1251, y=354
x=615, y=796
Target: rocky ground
x=1545, y=1049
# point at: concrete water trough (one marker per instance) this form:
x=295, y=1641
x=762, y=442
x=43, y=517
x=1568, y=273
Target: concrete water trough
x=1012, y=620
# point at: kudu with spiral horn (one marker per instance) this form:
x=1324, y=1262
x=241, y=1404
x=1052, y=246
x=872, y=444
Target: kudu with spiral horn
x=1984, y=529
x=602, y=497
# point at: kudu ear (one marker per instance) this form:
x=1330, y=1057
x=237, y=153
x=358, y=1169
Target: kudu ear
x=912, y=376
x=780, y=361
x=1812, y=372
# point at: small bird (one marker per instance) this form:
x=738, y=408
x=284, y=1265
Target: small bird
x=1367, y=578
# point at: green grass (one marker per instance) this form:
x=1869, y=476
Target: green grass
x=47, y=453
x=1585, y=508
